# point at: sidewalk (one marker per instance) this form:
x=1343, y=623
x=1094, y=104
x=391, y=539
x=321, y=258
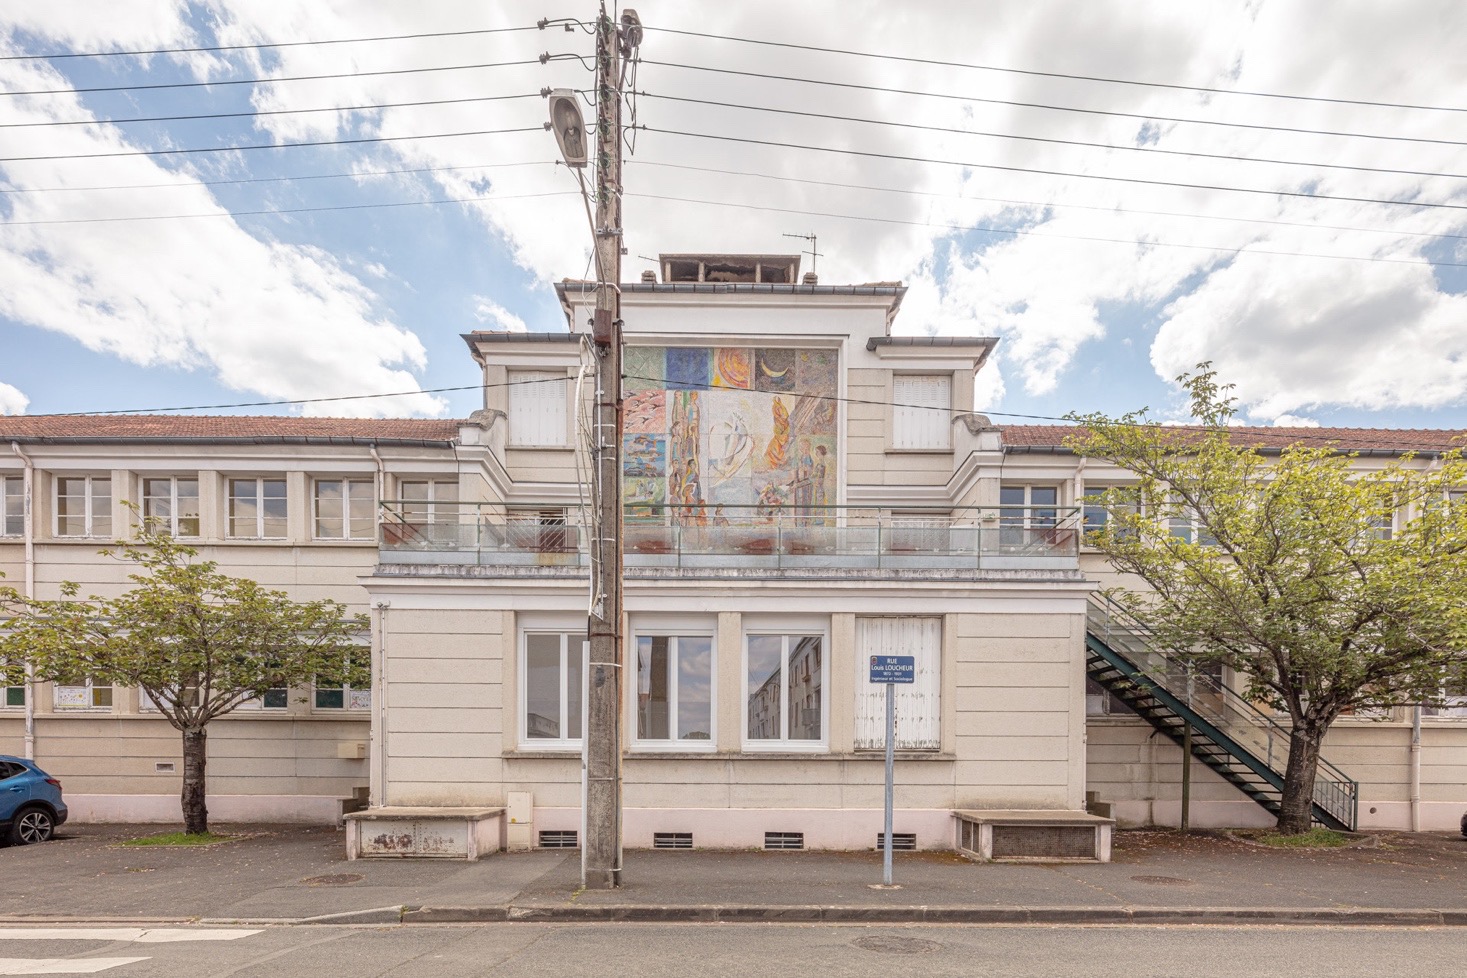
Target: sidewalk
x=291, y=874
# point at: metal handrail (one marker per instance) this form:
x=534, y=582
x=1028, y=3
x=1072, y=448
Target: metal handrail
x=1335, y=791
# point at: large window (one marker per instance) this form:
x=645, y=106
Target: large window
x=553, y=667
x=785, y=686
x=12, y=506
x=537, y=409
x=1454, y=701
x=171, y=506
x=675, y=689
x=83, y=506
x=921, y=415
x=429, y=501
x=918, y=704
x=83, y=694
x=344, y=509
x=257, y=509
x=1027, y=515
x=10, y=696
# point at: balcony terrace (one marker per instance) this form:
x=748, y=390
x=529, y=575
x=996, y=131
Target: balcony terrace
x=740, y=540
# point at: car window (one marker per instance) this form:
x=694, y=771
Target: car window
x=9, y=770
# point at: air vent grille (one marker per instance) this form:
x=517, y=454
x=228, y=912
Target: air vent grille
x=672, y=840
x=784, y=840
x=900, y=841
x=558, y=840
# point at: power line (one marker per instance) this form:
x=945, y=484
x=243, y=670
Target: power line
x=271, y=212
x=1059, y=74
x=1045, y=204
x=1045, y=234
x=1053, y=173
x=1046, y=139
x=264, y=44
x=1055, y=108
x=284, y=78
x=285, y=179
x=298, y=145
x=262, y=112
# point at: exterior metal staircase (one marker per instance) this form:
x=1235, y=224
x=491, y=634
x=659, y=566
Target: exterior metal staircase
x=1244, y=745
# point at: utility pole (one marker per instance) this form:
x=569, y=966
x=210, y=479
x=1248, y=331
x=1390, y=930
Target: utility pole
x=601, y=848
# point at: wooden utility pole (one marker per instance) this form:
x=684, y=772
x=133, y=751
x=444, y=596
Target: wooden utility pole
x=601, y=848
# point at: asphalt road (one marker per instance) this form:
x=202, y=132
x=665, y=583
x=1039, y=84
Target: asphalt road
x=712, y=951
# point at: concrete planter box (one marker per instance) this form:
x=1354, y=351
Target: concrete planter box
x=424, y=833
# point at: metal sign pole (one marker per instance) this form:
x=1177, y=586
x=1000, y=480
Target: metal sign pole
x=890, y=778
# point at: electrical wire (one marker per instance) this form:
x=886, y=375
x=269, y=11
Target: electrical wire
x=262, y=45
x=283, y=78
x=1043, y=204
x=1059, y=74
x=1135, y=242
x=271, y=212
x=1055, y=108
x=298, y=145
x=1053, y=141
x=1109, y=177
x=263, y=112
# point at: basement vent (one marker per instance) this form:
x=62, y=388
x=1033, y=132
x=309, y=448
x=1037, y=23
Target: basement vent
x=672, y=840
x=558, y=840
x=900, y=841
x=784, y=840
x=1043, y=842
x=163, y=767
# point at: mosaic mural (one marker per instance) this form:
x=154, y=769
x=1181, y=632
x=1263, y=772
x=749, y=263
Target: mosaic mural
x=714, y=434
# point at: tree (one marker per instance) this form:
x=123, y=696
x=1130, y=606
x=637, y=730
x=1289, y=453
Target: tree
x=200, y=644
x=1292, y=569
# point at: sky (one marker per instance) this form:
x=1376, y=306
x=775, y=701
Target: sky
x=1316, y=253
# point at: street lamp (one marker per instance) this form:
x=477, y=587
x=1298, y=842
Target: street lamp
x=569, y=126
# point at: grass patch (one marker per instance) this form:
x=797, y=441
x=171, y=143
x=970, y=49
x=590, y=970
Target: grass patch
x=1313, y=839
x=179, y=839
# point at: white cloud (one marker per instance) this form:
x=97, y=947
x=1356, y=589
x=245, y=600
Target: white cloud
x=1294, y=421
x=488, y=311
x=12, y=401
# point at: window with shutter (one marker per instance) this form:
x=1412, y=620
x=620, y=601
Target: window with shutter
x=537, y=409
x=922, y=412
x=919, y=704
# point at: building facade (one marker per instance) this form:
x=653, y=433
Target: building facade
x=804, y=489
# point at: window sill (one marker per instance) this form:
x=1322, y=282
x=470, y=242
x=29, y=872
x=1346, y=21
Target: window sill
x=919, y=451
x=541, y=448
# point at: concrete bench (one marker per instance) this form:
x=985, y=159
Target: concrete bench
x=424, y=833
x=1033, y=836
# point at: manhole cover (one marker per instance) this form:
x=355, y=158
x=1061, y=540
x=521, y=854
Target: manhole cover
x=1162, y=880
x=895, y=945
x=337, y=879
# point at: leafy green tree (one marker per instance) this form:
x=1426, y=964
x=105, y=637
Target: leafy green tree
x=1330, y=582
x=199, y=642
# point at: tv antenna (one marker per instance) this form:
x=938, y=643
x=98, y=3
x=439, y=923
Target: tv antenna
x=814, y=253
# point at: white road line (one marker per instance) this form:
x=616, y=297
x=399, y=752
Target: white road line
x=61, y=966
x=136, y=935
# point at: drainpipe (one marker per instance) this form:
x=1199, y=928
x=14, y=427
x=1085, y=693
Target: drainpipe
x=30, y=592
x=1416, y=768
x=379, y=705
x=381, y=486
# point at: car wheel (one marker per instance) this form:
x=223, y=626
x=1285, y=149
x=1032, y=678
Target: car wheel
x=31, y=826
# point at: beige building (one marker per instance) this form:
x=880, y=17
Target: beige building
x=804, y=490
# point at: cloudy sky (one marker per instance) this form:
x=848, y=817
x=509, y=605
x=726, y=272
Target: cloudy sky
x=1311, y=246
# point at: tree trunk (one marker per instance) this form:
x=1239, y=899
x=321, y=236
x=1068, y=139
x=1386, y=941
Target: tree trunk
x=195, y=758
x=1296, y=813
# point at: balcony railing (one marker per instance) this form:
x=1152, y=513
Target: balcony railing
x=835, y=537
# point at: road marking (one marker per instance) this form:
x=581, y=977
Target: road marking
x=62, y=966
x=136, y=935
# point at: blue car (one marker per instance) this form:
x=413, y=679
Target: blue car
x=30, y=802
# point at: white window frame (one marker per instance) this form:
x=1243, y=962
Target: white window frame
x=345, y=483
x=1454, y=707
x=566, y=632
x=146, y=703
x=788, y=628
x=922, y=420
x=430, y=514
x=871, y=697
x=92, y=692
x=538, y=390
x=5, y=692
x=90, y=516
x=173, y=515
x=12, y=497
x=675, y=629
x=353, y=700
x=259, y=481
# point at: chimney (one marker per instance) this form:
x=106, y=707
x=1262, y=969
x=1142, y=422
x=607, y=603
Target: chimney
x=812, y=279
x=649, y=276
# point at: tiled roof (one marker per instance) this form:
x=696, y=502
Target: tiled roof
x=1345, y=439
x=201, y=427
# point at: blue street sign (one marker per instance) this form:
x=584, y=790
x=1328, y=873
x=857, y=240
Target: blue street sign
x=893, y=669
